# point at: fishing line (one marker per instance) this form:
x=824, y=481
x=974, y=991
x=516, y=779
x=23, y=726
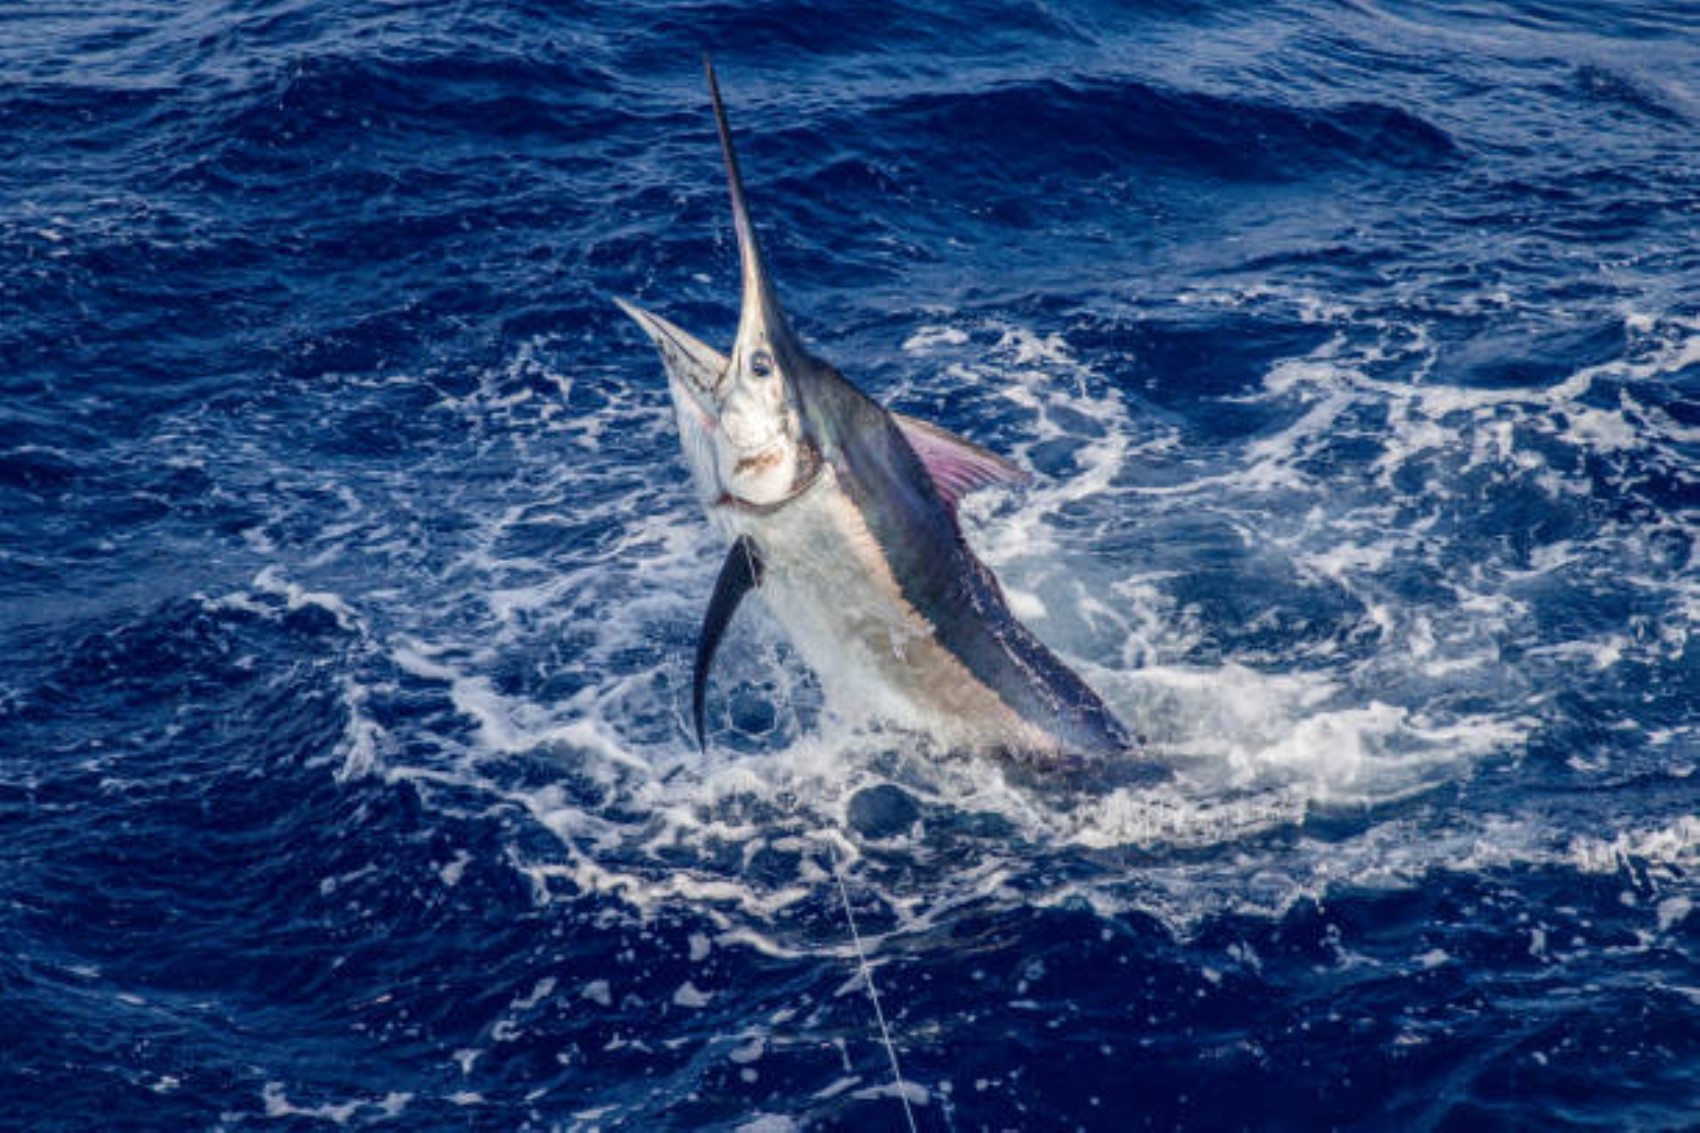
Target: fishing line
x=873, y=993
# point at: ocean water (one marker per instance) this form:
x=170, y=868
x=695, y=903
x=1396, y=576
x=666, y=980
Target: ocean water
x=350, y=575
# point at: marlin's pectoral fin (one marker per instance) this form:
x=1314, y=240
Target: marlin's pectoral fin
x=957, y=466
x=739, y=574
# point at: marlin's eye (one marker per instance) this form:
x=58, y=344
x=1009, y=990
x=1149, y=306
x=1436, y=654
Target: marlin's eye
x=761, y=364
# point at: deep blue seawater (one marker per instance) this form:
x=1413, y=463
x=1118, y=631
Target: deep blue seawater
x=349, y=573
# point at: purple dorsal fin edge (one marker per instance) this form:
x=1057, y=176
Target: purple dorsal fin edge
x=957, y=466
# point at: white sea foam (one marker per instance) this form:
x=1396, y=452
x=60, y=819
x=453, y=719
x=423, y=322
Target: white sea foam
x=277, y=1104
x=1259, y=740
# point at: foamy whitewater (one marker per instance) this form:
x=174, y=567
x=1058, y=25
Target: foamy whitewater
x=352, y=573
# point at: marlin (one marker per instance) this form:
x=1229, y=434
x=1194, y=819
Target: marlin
x=842, y=517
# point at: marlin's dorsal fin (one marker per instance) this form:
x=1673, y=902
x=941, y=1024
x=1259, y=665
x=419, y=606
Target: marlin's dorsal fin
x=957, y=465
x=739, y=574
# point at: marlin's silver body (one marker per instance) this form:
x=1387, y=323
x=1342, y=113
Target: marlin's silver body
x=830, y=587
x=842, y=518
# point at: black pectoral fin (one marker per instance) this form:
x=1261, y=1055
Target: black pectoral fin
x=739, y=574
